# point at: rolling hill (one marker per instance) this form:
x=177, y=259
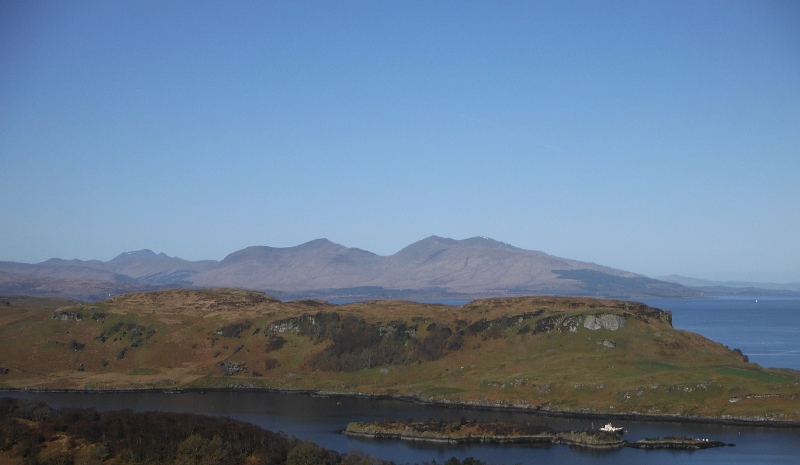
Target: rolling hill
x=549, y=354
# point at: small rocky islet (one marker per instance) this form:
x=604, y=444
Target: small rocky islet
x=464, y=432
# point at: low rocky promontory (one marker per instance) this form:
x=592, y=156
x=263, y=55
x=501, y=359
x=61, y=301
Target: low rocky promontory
x=465, y=432
x=678, y=443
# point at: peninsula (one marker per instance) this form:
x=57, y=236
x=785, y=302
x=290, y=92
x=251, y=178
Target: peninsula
x=563, y=356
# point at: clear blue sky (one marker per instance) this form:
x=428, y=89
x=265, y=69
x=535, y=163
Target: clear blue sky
x=656, y=137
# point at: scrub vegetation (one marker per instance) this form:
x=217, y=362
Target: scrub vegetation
x=574, y=355
x=32, y=433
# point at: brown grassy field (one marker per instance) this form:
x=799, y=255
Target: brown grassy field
x=548, y=353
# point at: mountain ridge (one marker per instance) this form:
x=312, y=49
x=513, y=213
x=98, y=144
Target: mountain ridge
x=468, y=267
x=742, y=285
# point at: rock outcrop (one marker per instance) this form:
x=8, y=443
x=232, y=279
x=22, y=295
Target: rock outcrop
x=67, y=315
x=231, y=368
x=607, y=321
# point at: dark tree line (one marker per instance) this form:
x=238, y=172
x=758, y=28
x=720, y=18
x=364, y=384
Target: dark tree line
x=125, y=437
x=152, y=438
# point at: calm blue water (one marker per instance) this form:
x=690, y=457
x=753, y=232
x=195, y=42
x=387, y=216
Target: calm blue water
x=322, y=419
x=766, y=329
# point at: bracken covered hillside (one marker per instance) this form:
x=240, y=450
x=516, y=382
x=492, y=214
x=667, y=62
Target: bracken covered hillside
x=564, y=354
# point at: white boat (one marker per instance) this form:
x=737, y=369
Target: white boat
x=609, y=428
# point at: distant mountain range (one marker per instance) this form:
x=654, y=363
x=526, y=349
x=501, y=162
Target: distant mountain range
x=432, y=267
x=731, y=286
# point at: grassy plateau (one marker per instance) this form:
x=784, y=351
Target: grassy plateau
x=550, y=354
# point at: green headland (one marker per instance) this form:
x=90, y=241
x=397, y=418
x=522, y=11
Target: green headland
x=553, y=355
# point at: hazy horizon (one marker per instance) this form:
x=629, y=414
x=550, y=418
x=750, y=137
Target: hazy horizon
x=659, y=138
x=664, y=277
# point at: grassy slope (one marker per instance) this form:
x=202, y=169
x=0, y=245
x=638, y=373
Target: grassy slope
x=653, y=369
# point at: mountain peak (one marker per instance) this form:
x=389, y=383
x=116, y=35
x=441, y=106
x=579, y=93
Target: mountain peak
x=426, y=246
x=143, y=254
x=483, y=241
x=433, y=243
x=318, y=244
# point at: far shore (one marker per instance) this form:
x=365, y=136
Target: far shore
x=533, y=410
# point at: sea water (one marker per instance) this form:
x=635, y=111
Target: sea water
x=321, y=420
x=766, y=329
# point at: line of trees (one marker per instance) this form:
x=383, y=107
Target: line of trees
x=147, y=438
x=36, y=434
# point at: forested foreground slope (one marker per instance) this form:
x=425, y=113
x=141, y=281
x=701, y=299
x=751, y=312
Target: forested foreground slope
x=550, y=354
x=33, y=433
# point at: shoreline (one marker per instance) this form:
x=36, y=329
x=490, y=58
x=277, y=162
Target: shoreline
x=541, y=439
x=583, y=439
x=538, y=411
x=482, y=433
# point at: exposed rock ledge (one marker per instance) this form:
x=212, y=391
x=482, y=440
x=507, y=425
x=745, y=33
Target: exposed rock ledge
x=607, y=321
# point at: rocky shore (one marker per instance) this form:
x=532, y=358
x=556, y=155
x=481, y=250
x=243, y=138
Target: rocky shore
x=545, y=411
x=514, y=433
x=473, y=432
x=677, y=443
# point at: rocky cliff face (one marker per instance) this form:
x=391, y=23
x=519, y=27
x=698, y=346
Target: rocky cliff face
x=607, y=321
